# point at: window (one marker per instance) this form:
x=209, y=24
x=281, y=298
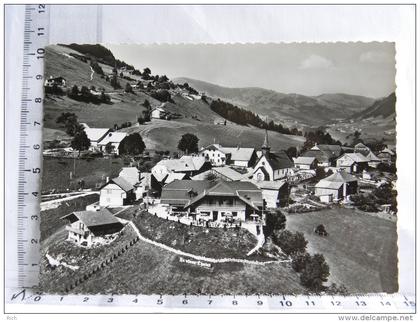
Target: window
x=234, y=213
x=263, y=163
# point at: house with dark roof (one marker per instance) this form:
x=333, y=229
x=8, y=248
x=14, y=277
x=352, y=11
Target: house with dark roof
x=55, y=81
x=87, y=228
x=272, y=166
x=305, y=163
x=326, y=154
x=336, y=186
x=352, y=162
x=220, y=201
x=117, y=192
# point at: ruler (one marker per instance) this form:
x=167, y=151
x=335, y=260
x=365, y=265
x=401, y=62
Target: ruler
x=378, y=303
x=36, y=27
x=35, y=39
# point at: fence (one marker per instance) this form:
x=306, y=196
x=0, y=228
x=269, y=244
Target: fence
x=101, y=265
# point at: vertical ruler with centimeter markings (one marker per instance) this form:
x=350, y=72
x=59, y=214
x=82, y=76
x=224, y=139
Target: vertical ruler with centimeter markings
x=30, y=146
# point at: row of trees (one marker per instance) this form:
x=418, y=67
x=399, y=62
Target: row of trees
x=85, y=95
x=244, y=117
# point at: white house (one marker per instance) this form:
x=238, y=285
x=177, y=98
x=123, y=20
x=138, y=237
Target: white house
x=117, y=192
x=219, y=155
x=114, y=139
x=189, y=165
x=57, y=81
x=273, y=192
x=157, y=113
x=87, y=228
x=95, y=135
x=272, y=166
x=305, y=163
x=132, y=175
x=215, y=155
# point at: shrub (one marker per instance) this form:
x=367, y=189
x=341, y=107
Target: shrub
x=335, y=289
x=274, y=221
x=290, y=242
x=315, y=273
x=299, y=261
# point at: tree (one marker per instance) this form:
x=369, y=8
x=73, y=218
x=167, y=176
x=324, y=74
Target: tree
x=146, y=104
x=75, y=90
x=85, y=91
x=128, y=88
x=188, y=143
x=132, y=145
x=274, y=221
x=315, y=273
x=80, y=141
x=211, y=176
x=291, y=152
x=299, y=261
x=147, y=72
x=290, y=242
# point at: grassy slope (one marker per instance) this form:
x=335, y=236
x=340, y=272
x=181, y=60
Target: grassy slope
x=361, y=250
x=156, y=271
x=127, y=107
x=56, y=173
x=209, y=242
x=50, y=219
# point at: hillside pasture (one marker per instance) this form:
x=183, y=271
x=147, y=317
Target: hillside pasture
x=147, y=269
x=361, y=250
x=56, y=172
x=164, y=135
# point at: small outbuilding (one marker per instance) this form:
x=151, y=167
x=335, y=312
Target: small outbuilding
x=337, y=186
x=86, y=228
x=117, y=192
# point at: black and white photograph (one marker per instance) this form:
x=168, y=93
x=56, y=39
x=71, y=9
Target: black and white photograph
x=219, y=169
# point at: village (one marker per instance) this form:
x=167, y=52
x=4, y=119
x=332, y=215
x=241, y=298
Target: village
x=214, y=203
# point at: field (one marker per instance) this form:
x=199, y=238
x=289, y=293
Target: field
x=156, y=138
x=56, y=172
x=156, y=271
x=361, y=250
x=208, y=242
x=50, y=219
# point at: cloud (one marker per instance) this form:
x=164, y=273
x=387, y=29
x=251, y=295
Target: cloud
x=315, y=62
x=376, y=57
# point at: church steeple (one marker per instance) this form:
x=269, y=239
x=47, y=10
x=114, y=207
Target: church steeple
x=265, y=147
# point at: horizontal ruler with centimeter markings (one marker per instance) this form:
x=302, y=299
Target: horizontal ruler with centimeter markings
x=374, y=303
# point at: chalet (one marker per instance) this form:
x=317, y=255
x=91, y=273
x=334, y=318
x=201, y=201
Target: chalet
x=336, y=186
x=95, y=135
x=132, y=175
x=373, y=160
x=241, y=157
x=158, y=113
x=114, y=139
x=237, y=201
x=189, y=165
x=274, y=193
x=87, y=228
x=272, y=166
x=305, y=163
x=215, y=155
x=352, y=162
x=386, y=155
x=117, y=192
x=326, y=154
x=55, y=81
x=219, y=155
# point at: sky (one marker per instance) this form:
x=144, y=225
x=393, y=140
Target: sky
x=366, y=69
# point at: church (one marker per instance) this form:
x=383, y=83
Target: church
x=272, y=166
